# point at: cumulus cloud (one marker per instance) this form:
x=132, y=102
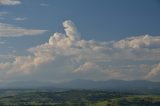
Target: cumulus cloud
x=72, y=56
x=61, y=40
x=9, y=2
x=139, y=48
x=87, y=66
x=139, y=42
x=68, y=44
x=7, y=30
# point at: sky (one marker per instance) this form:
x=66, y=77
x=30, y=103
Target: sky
x=62, y=40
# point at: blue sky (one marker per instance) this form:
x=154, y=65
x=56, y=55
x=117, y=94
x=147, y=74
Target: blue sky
x=123, y=35
x=100, y=20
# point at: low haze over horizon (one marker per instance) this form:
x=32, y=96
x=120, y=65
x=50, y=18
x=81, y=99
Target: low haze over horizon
x=62, y=40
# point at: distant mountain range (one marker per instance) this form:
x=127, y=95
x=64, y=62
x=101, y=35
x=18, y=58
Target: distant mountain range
x=114, y=85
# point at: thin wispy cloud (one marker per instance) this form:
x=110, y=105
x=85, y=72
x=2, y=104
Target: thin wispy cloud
x=10, y=2
x=20, y=18
x=44, y=4
x=2, y=42
x=7, y=30
x=3, y=13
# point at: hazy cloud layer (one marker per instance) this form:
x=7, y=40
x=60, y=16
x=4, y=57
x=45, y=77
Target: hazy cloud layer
x=70, y=57
x=2, y=13
x=9, y=2
x=7, y=30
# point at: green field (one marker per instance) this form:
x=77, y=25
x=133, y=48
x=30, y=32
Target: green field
x=75, y=98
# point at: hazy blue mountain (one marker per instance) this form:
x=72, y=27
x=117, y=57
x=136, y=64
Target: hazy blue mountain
x=24, y=84
x=120, y=85
x=110, y=84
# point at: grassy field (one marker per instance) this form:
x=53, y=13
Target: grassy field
x=101, y=103
x=134, y=100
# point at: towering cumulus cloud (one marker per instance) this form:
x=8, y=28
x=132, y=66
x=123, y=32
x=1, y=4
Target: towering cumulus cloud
x=65, y=40
x=57, y=45
x=72, y=57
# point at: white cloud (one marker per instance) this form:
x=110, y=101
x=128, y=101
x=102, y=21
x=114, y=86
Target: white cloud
x=9, y=2
x=140, y=48
x=20, y=18
x=87, y=66
x=68, y=44
x=7, y=30
x=139, y=42
x=155, y=71
x=72, y=56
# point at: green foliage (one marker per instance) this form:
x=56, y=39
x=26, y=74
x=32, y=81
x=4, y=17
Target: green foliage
x=75, y=98
x=146, y=100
